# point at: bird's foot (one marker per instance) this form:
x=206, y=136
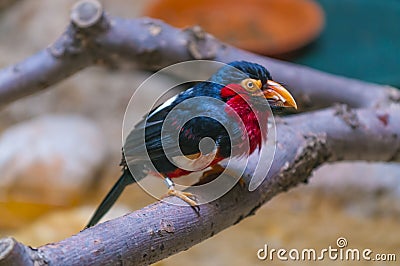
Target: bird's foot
x=242, y=183
x=211, y=174
x=185, y=196
x=216, y=170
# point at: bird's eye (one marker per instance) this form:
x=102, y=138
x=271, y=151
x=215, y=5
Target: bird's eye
x=251, y=85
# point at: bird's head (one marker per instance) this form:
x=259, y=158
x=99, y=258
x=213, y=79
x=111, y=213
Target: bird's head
x=253, y=83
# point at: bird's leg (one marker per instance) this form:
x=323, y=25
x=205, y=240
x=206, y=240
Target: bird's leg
x=217, y=169
x=185, y=196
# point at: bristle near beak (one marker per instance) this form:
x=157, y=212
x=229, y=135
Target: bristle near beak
x=278, y=93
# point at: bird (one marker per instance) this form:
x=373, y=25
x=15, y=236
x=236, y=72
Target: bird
x=244, y=88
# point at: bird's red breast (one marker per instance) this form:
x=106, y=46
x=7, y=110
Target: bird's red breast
x=250, y=116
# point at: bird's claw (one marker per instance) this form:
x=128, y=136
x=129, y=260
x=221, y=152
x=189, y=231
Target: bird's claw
x=242, y=183
x=217, y=170
x=185, y=196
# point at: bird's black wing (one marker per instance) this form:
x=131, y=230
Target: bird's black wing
x=209, y=120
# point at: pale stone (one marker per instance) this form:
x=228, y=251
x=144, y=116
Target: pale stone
x=50, y=158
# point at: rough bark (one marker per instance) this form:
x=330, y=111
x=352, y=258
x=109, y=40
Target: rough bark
x=157, y=231
x=366, y=128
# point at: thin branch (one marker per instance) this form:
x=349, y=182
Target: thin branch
x=94, y=37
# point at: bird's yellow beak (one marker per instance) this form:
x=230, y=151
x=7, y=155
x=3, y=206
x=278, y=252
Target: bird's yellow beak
x=276, y=92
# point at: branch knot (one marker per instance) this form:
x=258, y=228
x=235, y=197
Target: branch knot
x=347, y=114
x=201, y=44
x=86, y=13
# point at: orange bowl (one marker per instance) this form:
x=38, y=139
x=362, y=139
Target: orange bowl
x=270, y=27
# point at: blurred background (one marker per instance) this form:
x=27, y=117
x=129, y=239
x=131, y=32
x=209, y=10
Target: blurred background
x=60, y=149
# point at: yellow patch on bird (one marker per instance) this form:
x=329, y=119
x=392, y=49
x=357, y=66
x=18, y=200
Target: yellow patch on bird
x=195, y=162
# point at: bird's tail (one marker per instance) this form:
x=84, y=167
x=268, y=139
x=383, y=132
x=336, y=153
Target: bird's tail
x=125, y=179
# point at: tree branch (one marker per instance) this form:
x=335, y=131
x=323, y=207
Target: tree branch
x=94, y=37
x=304, y=141
x=161, y=229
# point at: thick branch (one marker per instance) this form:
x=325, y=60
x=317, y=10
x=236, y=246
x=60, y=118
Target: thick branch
x=161, y=229
x=96, y=38
x=159, y=45
x=14, y=253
